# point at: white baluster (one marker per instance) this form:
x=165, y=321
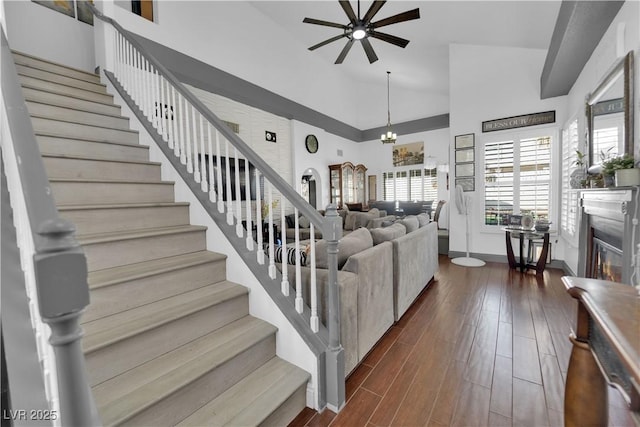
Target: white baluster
x=212, y=180
x=157, y=123
x=171, y=122
x=314, y=320
x=247, y=198
x=129, y=72
x=163, y=106
x=195, y=139
x=138, y=81
x=299, y=301
x=219, y=173
x=238, y=194
x=181, y=125
x=174, y=123
x=187, y=140
x=203, y=164
x=260, y=252
x=284, y=284
x=228, y=179
x=272, y=264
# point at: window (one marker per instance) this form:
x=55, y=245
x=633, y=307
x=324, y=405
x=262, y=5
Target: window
x=569, y=202
x=143, y=8
x=517, y=177
x=407, y=185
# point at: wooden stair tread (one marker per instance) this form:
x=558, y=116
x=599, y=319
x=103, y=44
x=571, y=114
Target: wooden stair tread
x=126, y=395
x=18, y=54
x=100, y=159
x=133, y=132
x=105, y=331
x=100, y=89
x=65, y=107
x=111, y=276
x=63, y=208
x=67, y=95
x=54, y=135
x=88, y=239
x=250, y=401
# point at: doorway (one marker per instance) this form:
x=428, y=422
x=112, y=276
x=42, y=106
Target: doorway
x=310, y=187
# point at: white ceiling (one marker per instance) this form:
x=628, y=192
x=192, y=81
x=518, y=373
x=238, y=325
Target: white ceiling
x=424, y=64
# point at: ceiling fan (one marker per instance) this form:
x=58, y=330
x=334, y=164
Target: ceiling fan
x=362, y=28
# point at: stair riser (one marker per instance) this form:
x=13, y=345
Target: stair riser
x=79, y=131
x=81, y=148
x=29, y=61
x=181, y=404
x=77, y=116
x=87, y=193
x=124, y=355
x=288, y=410
x=69, y=102
x=122, y=252
x=58, y=167
x=89, y=221
x=65, y=90
x=58, y=78
x=119, y=297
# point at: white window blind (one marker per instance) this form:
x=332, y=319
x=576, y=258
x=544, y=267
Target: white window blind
x=498, y=189
x=517, y=178
x=414, y=184
x=569, y=201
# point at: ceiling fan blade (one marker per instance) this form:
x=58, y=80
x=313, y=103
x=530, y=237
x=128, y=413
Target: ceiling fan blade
x=368, y=49
x=325, y=23
x=332, y=39
x=373, y=9
x=349, y=11
x=401, y=17
x=344, y=52
x=398, y=41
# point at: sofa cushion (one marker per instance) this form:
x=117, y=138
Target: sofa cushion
x=411, y=222
x=387, y=234
x=350, y=221
x=354, y=242
x=374, y=212
x=423, y=219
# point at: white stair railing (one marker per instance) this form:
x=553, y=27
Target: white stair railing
x=238, y=182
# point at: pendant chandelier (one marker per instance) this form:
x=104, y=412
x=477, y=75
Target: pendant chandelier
x=389, y=137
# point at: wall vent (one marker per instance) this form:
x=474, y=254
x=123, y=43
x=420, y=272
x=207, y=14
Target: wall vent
x=339, y=153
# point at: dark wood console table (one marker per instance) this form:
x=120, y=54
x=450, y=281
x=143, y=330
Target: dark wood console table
x=523, y=234
x=606, y=349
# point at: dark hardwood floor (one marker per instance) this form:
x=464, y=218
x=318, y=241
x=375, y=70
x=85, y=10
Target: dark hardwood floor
x=482, y=346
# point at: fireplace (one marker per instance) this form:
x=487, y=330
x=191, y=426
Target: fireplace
x=606, y=234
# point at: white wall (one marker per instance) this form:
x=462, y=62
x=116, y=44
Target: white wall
x=488, y=82
x=51, y=35
x=603, y=57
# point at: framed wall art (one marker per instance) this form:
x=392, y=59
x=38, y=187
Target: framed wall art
x=467, y=183
x=464, y=141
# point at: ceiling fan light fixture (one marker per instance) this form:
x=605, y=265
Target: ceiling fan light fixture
x=359, y=33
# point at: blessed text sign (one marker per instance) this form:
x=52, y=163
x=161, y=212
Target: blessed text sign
x=519, y=121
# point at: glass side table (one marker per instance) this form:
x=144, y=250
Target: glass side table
x=523, y=234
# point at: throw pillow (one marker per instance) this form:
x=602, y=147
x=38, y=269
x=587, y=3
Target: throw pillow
x=374, y=212
x=352, y=243
x=423, y=219
x=411, y=222
x=304, y=222
x=291, y=220
x=386, y=234
x=290, y=254
x=350, y=221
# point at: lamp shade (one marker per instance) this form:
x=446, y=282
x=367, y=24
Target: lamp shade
x=430, y=162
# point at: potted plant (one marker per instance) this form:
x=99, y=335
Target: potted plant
x=624, y=170
x=578, y=178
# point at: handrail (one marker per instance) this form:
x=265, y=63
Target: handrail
x=187, y=132
x=264, y=167
x=56, y=266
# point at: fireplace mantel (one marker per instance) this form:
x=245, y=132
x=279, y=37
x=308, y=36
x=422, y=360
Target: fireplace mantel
x=607, y=213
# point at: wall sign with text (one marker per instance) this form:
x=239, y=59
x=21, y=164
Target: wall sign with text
x=519, y=121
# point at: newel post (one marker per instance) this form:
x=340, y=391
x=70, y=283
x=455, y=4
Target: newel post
x=63, y=294
x=335, y=383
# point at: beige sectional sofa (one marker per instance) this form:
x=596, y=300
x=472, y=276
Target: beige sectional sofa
x=381, y=272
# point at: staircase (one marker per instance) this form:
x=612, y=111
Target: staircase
x=168, y=340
